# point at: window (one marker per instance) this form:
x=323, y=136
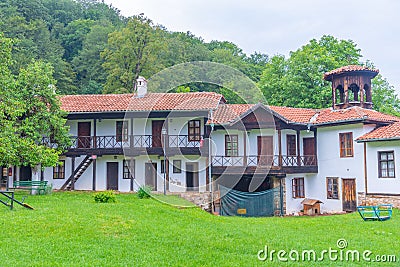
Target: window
x=346, y=144
x=177, y=166
x=162, y=169
x=122, y=131
x=386, y=164
x=291, y=145
x=59, y=170
x=298, y=188
x=231, y=145
x=332, y=188
x=129, y=169
x=194, y=130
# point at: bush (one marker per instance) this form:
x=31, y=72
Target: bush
x=49, y=189
x=144, y=192
x=105, y=197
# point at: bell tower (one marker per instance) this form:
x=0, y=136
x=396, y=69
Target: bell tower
x=351, y=86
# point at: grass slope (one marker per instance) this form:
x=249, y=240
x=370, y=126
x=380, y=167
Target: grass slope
x=70, y=229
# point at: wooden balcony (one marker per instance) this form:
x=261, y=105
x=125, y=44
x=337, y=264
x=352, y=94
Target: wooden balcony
x=130, y=144
x=264, y=163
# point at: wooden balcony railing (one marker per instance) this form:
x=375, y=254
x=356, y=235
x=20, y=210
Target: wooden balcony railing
x=264, y=160
x=183, y=141
x=128, y=141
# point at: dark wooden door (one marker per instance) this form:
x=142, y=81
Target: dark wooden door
x=192, y=176
x=265, y=148
x=309, y=151
x=83, y=134
x=349, y=194
x=156, y=127
x=25, y=173
x=112, y=175
x=150, y=174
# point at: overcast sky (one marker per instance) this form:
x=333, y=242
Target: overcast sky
x=278, y=27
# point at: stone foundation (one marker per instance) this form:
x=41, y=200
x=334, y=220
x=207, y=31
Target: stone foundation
x=277, y=198
x=201, y=199
x=375, y=199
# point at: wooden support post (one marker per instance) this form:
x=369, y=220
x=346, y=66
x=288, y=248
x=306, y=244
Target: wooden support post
x=298, y=147
x=280, y=147
x=166, y=172
x=94, y=134
x=245, y=149
x=72, y=173
x=207, y=174
x=131, y=140
x=132, y=171
x=94, y=174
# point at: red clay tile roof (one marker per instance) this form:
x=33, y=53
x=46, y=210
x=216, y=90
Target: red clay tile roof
x=224, y=113
x=389, y=132
x=349, y=68
x=229, y=112
x=350, y=114
x=152, y=101
x=297, y=115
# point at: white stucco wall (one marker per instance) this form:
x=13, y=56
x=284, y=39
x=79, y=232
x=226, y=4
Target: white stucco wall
x=382, y=185
x=177, y=180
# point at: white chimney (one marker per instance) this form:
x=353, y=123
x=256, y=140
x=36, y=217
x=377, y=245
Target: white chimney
x=141, y=87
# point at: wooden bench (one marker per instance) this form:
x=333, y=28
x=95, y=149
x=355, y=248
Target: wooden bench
x=375, y=213
x=39, y=186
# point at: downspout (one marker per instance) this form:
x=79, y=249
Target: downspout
x=365, y=174
x=210, y=160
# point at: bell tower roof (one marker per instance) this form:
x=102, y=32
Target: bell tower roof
x=351, y=86
x=351, y=69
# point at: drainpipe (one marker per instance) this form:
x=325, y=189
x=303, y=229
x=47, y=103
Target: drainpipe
x=210, y=160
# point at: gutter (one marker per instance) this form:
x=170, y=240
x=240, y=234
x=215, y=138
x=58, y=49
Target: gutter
x=378, y=139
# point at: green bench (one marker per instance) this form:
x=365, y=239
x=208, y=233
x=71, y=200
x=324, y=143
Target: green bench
x=39, y=186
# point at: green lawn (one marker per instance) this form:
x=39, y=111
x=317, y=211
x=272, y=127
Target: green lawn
x=70, y=229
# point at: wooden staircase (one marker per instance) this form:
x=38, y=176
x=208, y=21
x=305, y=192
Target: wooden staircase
x=82, y=167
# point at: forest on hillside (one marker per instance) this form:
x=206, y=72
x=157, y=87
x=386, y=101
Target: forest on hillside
x=93, y=49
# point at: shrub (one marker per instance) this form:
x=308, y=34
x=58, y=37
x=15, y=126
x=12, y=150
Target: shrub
x=49, y=189
x=144, y=192
x=105, y=197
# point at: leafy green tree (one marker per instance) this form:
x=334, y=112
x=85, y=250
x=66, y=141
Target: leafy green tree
x=132, y=51
x=88, y=64
x=29, y=110
x=384, y=96
x=73, y=35
x=297, y=81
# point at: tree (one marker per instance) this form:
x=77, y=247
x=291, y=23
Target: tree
x=29, y=110
x=297, y=81
x=88, y=64
x=132, y=51
x=384, y=96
